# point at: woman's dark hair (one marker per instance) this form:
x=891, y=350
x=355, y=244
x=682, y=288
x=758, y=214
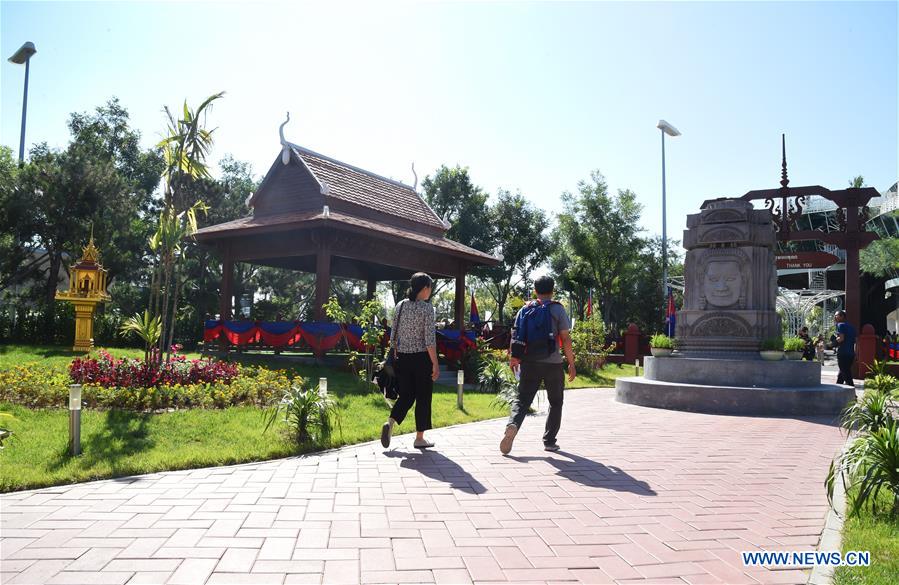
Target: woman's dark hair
x=418, y=281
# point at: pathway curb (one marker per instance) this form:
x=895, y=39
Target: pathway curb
x=832, y=535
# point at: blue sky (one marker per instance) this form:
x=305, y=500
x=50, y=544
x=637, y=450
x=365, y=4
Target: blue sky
x=529, y=96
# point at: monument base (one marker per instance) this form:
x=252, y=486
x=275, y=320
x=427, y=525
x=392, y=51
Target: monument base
x=731, y=371
x=820, y=399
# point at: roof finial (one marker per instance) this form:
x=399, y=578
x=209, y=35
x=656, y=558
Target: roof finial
x=285, y=150
x=414, y=174
x=784, y=181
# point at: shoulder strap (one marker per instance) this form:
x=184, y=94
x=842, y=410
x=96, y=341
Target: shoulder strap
x=396, y=333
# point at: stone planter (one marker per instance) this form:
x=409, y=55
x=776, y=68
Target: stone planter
x=793, y=355
x=661, y=351
x=772, y=355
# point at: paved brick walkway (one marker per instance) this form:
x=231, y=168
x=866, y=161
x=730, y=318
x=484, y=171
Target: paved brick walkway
x=637, y=495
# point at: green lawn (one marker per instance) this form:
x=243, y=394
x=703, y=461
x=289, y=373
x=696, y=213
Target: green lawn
x=604, y=378
x=117, y=443
x=879, y=535
x=55, y=356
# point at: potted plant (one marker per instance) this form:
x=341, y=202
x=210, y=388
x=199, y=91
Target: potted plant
x=772, y=349
x=661, y=345
x=793, y=347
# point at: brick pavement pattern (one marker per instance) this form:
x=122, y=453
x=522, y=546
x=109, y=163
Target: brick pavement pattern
x=636, y=495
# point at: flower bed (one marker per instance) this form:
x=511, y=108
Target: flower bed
x=110, y=372
x=33, y=386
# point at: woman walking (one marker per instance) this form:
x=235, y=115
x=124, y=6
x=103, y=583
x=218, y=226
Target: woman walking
x=414, y=340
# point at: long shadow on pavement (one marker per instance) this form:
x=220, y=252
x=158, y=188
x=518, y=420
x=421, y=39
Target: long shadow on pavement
x=591, y=473
x=436, y=466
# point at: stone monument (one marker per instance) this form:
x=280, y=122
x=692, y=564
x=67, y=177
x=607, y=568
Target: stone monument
x=730, y=293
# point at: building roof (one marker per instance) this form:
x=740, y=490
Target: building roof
x=286, y=221
x=360, y=187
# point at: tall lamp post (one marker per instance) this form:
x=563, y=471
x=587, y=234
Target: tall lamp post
x=23, y=55
x=670, y=130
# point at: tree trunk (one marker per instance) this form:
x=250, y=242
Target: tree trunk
x=174, y=319
x=50, y=296
x=167, y=279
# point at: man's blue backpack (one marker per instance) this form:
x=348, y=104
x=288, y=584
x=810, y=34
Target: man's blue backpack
x=532, y=334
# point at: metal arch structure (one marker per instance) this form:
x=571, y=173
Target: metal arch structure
x=787, y=203
x=797, y=305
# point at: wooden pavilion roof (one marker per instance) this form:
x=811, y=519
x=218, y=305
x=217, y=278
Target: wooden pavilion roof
x=377, y=227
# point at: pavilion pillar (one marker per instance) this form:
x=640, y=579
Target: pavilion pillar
x=226, y=290
x=322, y=279
x=460, y=298
x=371, y=289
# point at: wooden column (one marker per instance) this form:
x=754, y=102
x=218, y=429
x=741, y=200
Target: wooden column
x=322, y=279
x=460, y=298
x=371, y=289
x=226, y=301
x=853, y=287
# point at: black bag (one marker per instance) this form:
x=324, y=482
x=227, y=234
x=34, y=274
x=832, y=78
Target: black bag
x=386, y=380
x=386, y=377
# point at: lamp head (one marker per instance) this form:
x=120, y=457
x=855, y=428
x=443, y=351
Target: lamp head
x=23, y=54
x=667, y=128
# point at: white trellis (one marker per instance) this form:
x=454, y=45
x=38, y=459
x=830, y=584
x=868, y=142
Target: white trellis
x=797, y=305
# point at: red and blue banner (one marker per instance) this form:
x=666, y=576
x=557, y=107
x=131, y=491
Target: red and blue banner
x=279, y=333
x=320, y=336
x=670, y=314
x=474, y=317
x=240, y=332
x=452, y=344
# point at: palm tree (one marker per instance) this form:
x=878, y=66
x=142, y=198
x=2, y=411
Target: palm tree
x=184, y=149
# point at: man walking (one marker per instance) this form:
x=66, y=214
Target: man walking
x=538, y=328
x=845, y=348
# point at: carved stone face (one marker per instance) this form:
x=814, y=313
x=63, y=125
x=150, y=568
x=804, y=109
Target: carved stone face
x=723, y=283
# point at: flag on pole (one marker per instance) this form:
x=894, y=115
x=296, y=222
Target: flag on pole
x=474, y=317
x=590, y=303
x=669, y=314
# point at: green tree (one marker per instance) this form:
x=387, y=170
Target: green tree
x=453, y=196
x=601, y=233
x=15, y=220
x=521, y=254
x=185, y=148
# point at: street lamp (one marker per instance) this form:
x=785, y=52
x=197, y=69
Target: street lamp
x=670, y=130
x=23, y=55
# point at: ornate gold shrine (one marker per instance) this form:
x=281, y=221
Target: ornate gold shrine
x=87, y=288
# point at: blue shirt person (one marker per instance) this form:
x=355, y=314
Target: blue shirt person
x=846, y=349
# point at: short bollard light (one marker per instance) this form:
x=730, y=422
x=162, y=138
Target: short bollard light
x=323, y=385
x=637, y=367
x=75, y=419
x=460, y=379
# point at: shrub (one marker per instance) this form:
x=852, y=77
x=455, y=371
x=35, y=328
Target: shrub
x=793, y=344
x=494, y=377
x=869, y=466
x=309, y=414
x=588, y=339
x=773, y=344
x=883, y=384
x=661, y=341
x=867, y=414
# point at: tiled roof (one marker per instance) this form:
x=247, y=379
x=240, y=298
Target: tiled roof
x=285, y=220
x=361, y=187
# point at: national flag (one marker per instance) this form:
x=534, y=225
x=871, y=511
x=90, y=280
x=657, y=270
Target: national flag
x=669, y=314
x=590, y=303
x=474, y=317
